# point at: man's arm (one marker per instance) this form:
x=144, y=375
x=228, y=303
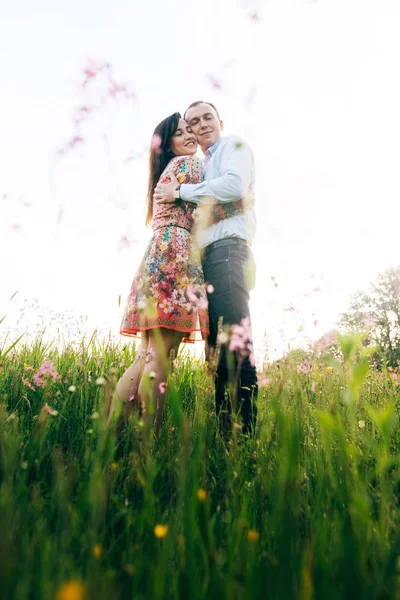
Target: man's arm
x=237, y=170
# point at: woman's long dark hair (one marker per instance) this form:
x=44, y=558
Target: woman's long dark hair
x=160, y=155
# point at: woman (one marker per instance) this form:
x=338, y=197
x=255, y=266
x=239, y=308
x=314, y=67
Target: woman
x=167, y=301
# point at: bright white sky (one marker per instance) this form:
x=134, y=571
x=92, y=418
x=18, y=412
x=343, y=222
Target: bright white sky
x=313, y=86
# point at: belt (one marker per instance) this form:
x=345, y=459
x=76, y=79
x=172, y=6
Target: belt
x=229, y=241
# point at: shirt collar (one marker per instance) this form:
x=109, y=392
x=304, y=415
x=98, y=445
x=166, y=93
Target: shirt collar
x=210, y=151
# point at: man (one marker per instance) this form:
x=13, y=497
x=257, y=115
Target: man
x=228, y=173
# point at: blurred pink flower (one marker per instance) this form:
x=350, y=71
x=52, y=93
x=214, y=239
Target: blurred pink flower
x=50, y=411
x=77, y=139
x=289, y=308
x=90, y=74
x=162, y=387
x=155, y=143
x=93, y=69
x=305, y=367
x=46, y=372
x=85, y=109
x=123, y=243
x=254, y=16
x=115, y=87
x=196, y=297
x=328, y=339
x=264, y=381
x=241, y=339
x=216, y=84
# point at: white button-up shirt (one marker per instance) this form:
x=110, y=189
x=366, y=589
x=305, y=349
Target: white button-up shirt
x=228, y=174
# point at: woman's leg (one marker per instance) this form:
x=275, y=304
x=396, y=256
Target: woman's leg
x=161, y=343
x=126, y=392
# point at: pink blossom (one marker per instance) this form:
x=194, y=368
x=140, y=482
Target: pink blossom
x=155, y=142
x=90, y=74
x=196, y=296
x=45, y=373
x=210, y=288
x=77, y=139
x=236, y=342
x=328, y=339
x=241, y=339
x=92, y=70
x=289, y=308
x=264, y=381
x=214, y=82
x=305, y=367
x=115, y=87
x=50, y=411
x=254, y=16
x=162, y=387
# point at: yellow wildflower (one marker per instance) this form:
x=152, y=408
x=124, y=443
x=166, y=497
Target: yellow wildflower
x=161, y=531
x=97, y=550
x=253, y=536
x=71, y=590
x=201, y=494
x=114, y=466
x=361, y=424
x=130, y=569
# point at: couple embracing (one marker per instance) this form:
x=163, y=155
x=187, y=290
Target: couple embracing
x=194, y=275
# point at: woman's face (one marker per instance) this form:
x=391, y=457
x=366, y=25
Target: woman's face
x=183, y=141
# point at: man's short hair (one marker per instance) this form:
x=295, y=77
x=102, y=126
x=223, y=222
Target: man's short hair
x=201, y=102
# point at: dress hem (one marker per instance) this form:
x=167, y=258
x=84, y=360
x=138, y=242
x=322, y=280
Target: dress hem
x=134, y=332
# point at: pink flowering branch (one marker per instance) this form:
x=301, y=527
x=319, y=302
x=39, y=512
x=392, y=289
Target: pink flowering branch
x=100, y=73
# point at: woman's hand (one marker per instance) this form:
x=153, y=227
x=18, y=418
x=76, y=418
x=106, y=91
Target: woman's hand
x=164, y=192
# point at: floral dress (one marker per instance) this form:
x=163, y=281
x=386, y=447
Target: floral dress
x=168, y=289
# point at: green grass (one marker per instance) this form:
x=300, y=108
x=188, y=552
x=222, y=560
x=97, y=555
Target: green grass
x=308, y=509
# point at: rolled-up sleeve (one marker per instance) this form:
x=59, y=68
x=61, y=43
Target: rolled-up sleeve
x=236, y=166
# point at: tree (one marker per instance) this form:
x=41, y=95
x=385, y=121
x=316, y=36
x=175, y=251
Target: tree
x=377, y=312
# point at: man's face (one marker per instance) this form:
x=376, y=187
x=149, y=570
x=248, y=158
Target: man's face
x=205, y=124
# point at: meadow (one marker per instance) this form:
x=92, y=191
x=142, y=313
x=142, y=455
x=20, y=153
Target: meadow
x=309, y=508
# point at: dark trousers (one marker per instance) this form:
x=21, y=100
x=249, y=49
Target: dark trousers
x=228, y=267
